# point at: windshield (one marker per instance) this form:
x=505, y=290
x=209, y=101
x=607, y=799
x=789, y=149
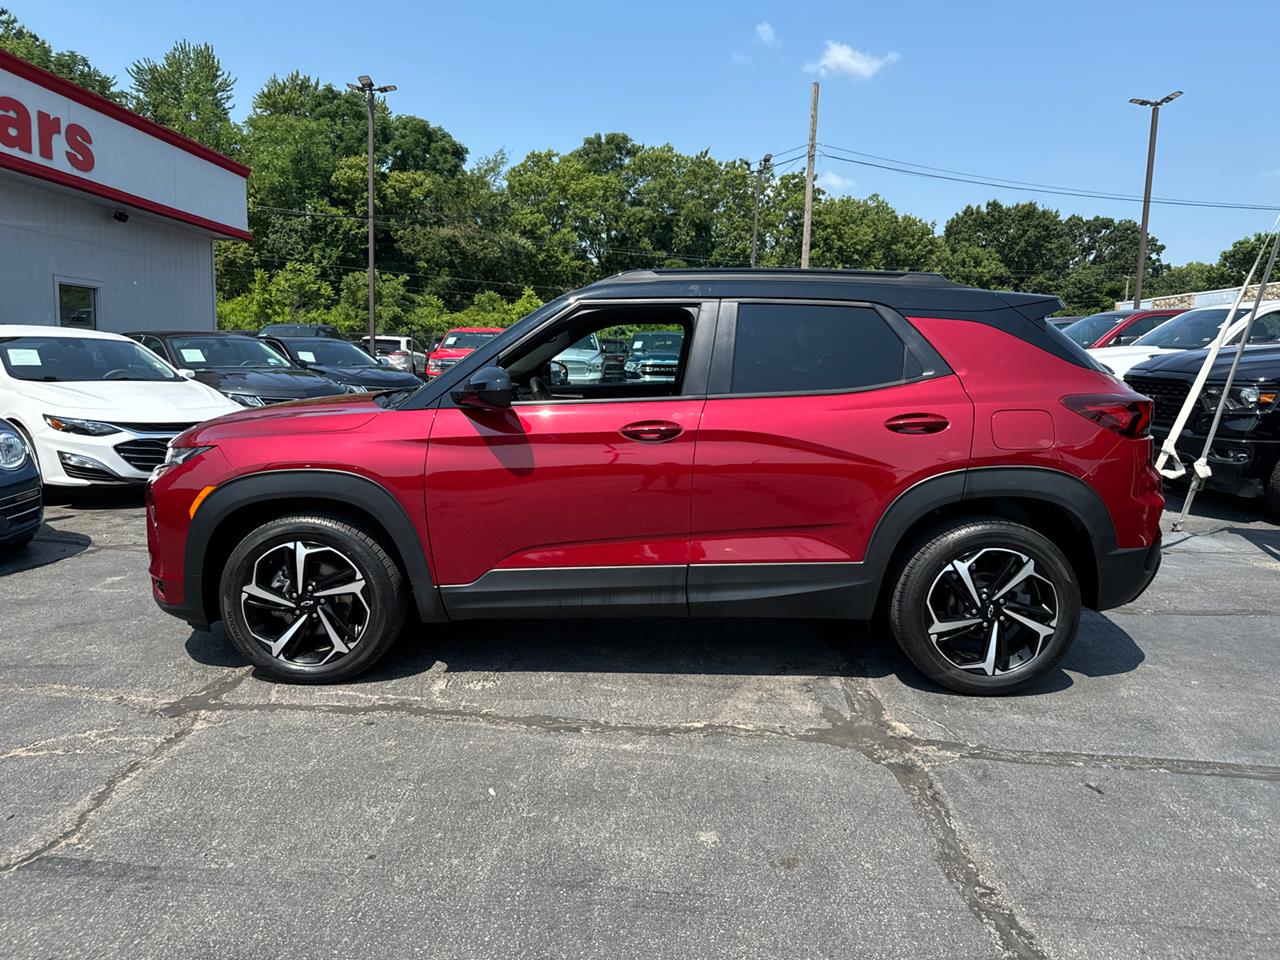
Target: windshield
x=588, y=344
x=1187, y=331
x=655, y=342
x=1086, y=331
x=332, y=353
x=465, y=340
x=66, y=359
x=388, y=344
x=207, y=353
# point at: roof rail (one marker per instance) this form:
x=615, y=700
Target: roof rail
x=921, y=278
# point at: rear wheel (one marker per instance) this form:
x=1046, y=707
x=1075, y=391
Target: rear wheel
x=985, y=606
x=311, y=599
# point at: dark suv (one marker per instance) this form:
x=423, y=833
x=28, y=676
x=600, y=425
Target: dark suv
x=832, y=444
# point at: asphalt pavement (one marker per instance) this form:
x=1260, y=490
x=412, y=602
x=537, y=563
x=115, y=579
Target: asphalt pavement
x=716, y=789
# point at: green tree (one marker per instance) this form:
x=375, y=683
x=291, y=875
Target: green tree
x=187, y=91
x=68, y=64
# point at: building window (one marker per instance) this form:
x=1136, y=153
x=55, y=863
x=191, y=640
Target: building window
x=77, y=306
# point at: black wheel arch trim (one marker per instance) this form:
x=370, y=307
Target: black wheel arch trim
x=346, y=490
x=1056, y=487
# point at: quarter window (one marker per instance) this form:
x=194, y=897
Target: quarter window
x=807, y=348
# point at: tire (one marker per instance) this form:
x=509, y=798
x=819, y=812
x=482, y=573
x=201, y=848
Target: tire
x=1272, y=491
x=931, y=590
x=339, y=626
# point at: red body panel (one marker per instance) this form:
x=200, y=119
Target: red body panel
x=558, y=485
x=348, y=435
x=1004, y=375
x=805, y=478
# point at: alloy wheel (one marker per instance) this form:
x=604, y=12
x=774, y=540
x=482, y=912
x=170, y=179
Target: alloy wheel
x=305, y=603
x=991, y=611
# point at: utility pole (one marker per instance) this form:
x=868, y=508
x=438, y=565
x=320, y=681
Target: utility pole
x=369, y=90
x=755, y=213
x=808, y=179
x=1155, y=106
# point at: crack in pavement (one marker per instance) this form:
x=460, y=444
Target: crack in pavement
x=869, y=731
x=189, y=712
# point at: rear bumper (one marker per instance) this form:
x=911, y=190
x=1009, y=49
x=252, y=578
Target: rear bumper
x=1125, y=573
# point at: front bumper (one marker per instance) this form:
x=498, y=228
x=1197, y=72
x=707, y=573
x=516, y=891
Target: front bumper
x=1124, y=573
x=1240, y=465
x=76, y=460
x=21, y=508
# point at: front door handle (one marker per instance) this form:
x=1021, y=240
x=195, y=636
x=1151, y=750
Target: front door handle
x=917, y=423
x=652, y=431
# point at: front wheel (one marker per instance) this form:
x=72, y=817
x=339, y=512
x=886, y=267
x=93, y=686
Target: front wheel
x=985, y=606
x=311, y=599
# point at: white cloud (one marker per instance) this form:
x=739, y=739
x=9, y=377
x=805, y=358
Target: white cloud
x=767, y=35
x=840, y=58
x=833, y=182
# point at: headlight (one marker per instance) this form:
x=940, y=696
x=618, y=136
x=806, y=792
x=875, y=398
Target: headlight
x=88, y=428
x=354, y=388
x=13, y=452
x=1248, y=397
x=246, y=399
x=175, y=455
x=433, y=365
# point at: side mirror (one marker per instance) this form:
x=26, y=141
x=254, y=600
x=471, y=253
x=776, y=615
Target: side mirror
x=187, y=374
x=489, y=388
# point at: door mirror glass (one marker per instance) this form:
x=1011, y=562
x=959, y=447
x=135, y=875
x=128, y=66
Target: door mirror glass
x=489, y=388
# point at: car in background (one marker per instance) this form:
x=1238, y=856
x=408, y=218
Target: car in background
x=654, y=355
x=1191, y=330
x=248, y=370
x=1061, y=322
x=21, y=504
x=300, y=330
x=94, y=407
x=580, y=362
x=1245, y=455
x=353, y=370
x=455, y=345
x=403, y=353
x=1117, y=328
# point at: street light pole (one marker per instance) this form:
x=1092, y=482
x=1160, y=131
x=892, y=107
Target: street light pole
x=369, y=90
x=1155, y=106
x=755, y=213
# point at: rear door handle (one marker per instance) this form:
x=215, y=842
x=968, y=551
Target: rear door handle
x=652, y=431
x=917, y=423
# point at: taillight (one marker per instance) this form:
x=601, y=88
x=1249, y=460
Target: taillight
x=399, y=353
x=1128, y=416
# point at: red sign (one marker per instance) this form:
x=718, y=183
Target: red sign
x=19, y=132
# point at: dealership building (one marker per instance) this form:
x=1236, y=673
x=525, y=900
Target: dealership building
x=107, y=220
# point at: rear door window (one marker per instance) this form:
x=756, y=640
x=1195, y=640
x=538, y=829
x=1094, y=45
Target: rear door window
x=811, y=348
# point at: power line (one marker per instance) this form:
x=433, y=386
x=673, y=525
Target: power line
x=939, y=173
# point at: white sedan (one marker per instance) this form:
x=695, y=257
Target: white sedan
x=97, y=408
x=1193, y=330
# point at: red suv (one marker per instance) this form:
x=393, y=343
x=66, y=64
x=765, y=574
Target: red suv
x=455, y=345
x=832, y=444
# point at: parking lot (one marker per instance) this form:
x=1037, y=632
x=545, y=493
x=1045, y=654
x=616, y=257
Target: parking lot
x=636, y=789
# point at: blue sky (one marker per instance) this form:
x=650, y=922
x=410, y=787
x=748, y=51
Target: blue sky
x=1026, y=91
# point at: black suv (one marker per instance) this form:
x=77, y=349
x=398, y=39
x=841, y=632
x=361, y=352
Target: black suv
x=246, y=369
x=1245, y=456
